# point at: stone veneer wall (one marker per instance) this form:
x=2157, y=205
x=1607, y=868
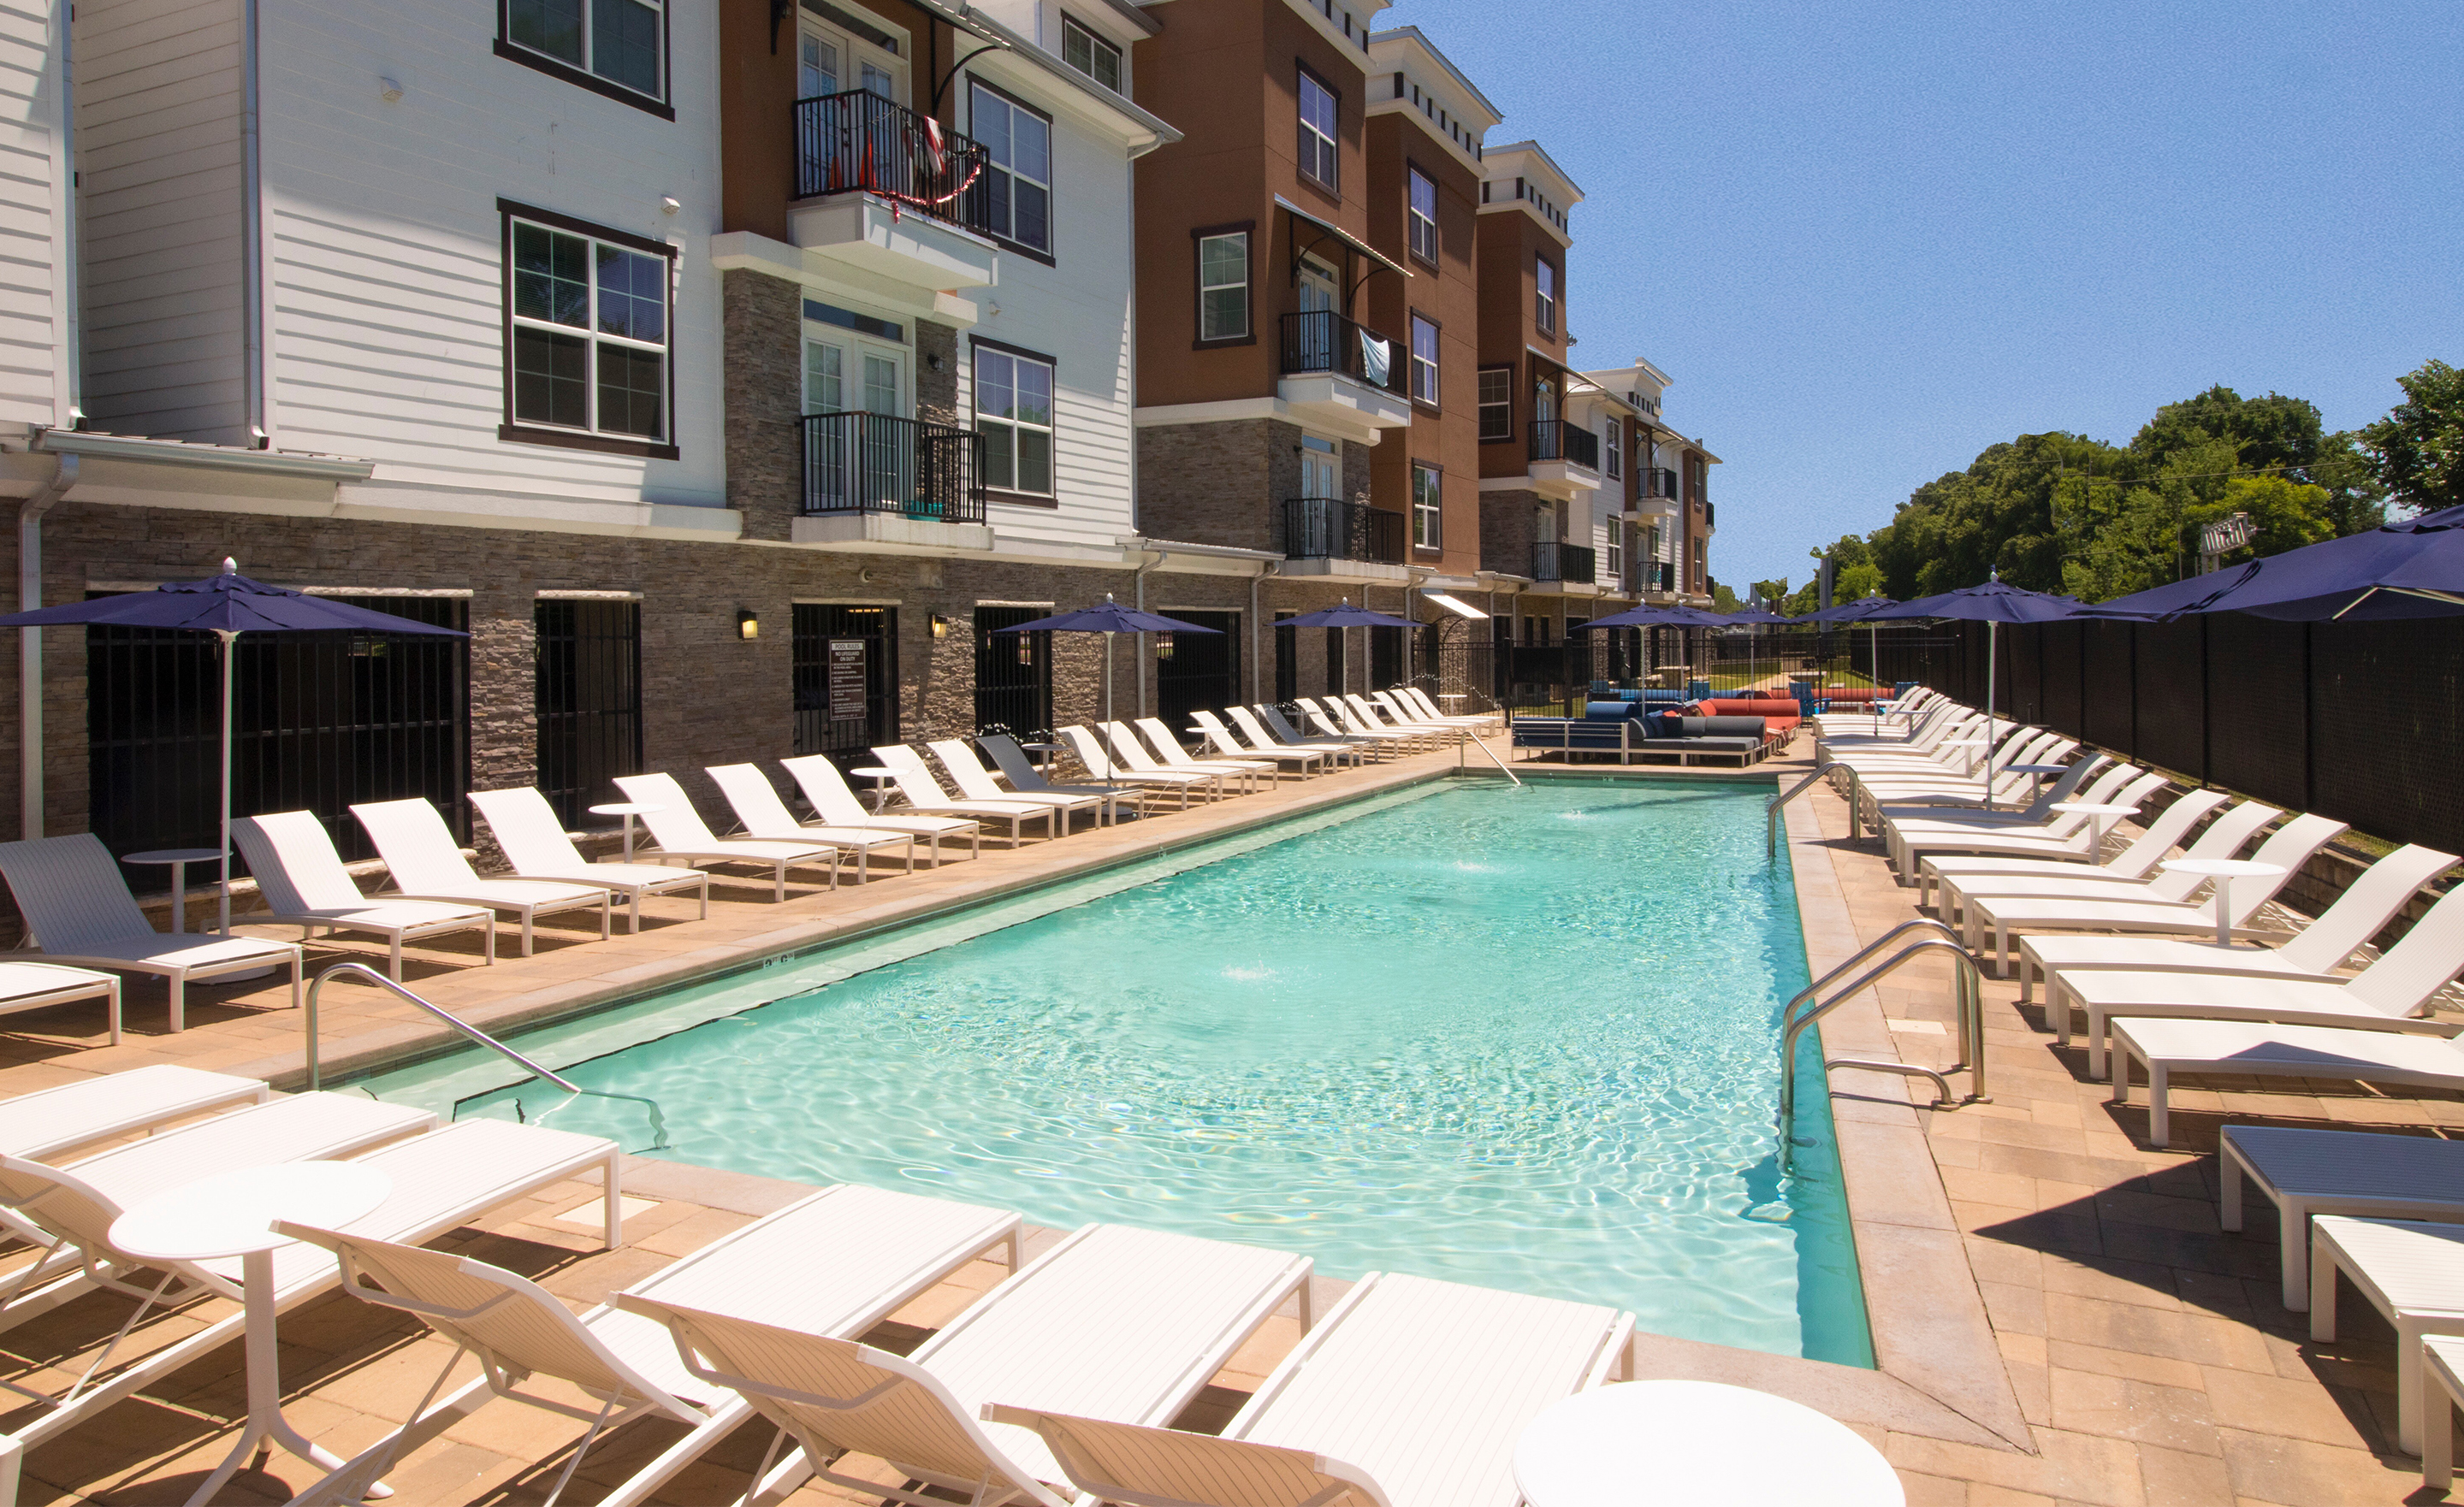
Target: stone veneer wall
x=762, y=325
x=1508, y=529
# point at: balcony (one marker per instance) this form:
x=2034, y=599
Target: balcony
x=1338, y=540
x=892, y=486
x=1335, y=376
x=1656, y=496
x=1565, y=458
x=875, y=190
x=1575, y=564
x=1711, y=516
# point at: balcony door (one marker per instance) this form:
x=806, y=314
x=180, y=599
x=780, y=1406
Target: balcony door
x=869, y=457
x=829, y=61
x=1321, y=468
x=1315, y=292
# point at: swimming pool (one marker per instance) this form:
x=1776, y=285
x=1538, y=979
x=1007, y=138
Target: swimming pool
x=1520, y=1038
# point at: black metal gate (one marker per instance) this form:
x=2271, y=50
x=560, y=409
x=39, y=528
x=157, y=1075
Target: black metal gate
x=1338, y=663
x=1287, y=660
x=588, y=696
x=1385, y=657
x=1013, y=672
x=1197, y=671
x=866, y=634
x=320, y=722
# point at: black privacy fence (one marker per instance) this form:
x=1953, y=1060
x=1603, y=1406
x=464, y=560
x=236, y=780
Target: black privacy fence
x=2358, y=721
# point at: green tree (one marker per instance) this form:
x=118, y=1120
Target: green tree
x=2270, y=433
x=2418, y=448
x=2356, y=498
x=1723, y=599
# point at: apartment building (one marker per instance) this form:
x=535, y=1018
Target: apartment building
x=1665, y=492
x=727, y=372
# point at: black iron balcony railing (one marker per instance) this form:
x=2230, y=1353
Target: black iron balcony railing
x=877, y=463
x=1659, y=482
x=1710, y=514
x=1563, y=562
x=1660, y=575
x=1330, y=528
x=1557, y=440
x=1323, y=340
x=859, y=143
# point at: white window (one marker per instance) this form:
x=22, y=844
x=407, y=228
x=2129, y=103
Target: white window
x=825, y=377
x=1616, y=448
x=1317, y=131
x=1428, y=505
x=1019, y=140
x=1613, y=552
x=1425, y=359
x=1223, y=286
x=1422, y=212
x=1496, y=403
x=1090, y=54
x=589, y=333
x=1547, y=312
x=622, y=42
x=1013, y=414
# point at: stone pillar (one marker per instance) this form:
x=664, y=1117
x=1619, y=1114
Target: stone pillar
x=763, y=322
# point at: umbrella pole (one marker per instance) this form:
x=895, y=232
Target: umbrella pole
x=1106, y=730
x=224, y=908
x=1993, y=659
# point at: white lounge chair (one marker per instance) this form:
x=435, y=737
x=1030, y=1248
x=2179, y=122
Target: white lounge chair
x=757, y=805
x=79, y=911
x=1168, y=750
x=1412, y=1393
x=917, y=787
x=678, y=828
x=2315, y=952
x=2224, y=836
x=1907, y=842
x=49, y=1123
x=1090, y=753
x=2412, y=1273
x=440, y=1181
x=1334, y=720
x=1323, y=735
x=861, y=1252
x=1382, y=712
x=2290, y=847
x=2352, y=1172
x=535, y=842
x=1225, y=741
x=427, y=863
x=1119, y=1322
x=1263, y=741
x=301, y=878
x=825, y=790
x=976, y=782
x=1418, y=701
x=1131, y=753
x=2069, y=856
x=40, y=986
x=2249, y=1049
x=2387, y=995
x=1025, y=780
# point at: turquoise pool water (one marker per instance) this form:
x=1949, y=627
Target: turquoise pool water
x=1519, y=1037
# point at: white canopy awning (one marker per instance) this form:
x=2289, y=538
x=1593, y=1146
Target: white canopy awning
x=1454, y=605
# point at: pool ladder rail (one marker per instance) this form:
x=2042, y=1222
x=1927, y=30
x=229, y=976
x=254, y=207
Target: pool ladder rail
x=1877, y=960
x=658, y=1120
x=1856, y=803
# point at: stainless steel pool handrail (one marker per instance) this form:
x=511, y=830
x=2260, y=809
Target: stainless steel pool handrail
x=1772, y=807
x=1971, y=1001
x=1474, y=737
x=658, y=1118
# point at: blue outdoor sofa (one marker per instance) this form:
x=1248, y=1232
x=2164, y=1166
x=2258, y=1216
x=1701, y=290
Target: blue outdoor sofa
x=1637, y=734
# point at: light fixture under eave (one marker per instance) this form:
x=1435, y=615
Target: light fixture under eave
x=941, y=626
x=747, y=626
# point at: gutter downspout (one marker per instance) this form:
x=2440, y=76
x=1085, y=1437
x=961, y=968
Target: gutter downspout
x=252, y=234
x=1140, y=600
x=1256, y=586
x=30, y=645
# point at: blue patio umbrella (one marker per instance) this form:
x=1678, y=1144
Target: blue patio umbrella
x=2412, y=568
x=1648, y=616
x=1992, y=603
x=225, y=605
x=1862, y=610
x=1109, y=618
x=1344, y=615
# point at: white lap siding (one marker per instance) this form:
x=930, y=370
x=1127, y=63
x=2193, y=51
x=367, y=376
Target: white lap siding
x=33, y=250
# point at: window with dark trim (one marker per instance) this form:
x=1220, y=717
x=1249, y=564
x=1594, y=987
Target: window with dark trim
x=1090, y=54
x=1421, y=212
x=1018, y=137
x=1496, y=403
x=1224, y=285
x=1424, y=360
x=617, y=48
x=1428, y=506
x=1013, y=396
x=1614, y=438
x=587, y=329
x=1545, y=281
x=1318, y=133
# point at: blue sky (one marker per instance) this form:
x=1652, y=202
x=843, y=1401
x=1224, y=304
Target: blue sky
x=1868, y=240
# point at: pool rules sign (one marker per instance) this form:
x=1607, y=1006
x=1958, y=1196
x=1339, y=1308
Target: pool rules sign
x=846, y=680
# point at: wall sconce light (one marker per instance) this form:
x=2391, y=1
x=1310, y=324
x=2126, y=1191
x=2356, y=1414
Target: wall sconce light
x=748, y=627
x=933, y=361
x=941, y=626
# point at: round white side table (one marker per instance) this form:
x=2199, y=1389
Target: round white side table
x=629, y=810
x=2041, y=773
x=2099, y=815
x=881, y=778
x=231, y=1213
x=2224, y=871
x=179, y=859
x=1703, y=1444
